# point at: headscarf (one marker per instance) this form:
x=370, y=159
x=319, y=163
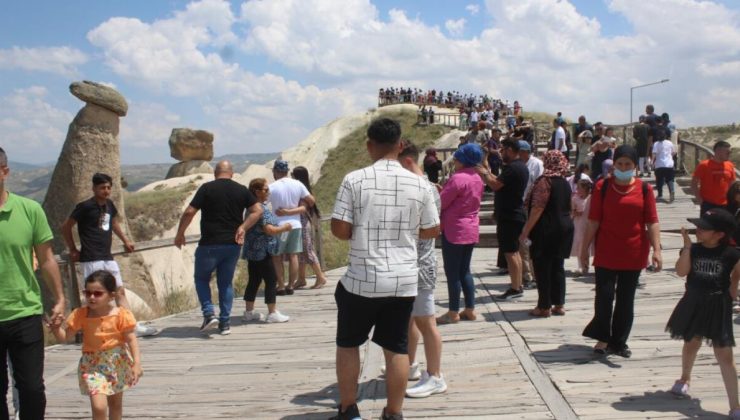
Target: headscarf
x=469, y=155
x=555, y=164
x=627, y=151
x=431, y=156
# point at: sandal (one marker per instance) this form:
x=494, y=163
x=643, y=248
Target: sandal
x=288, y=291
x=600, y=348
x=467, y=316
x=541, y=313
x=319, y=284
x=447, y=319
x=281, y=292
x=558, y=310
x=300, y=285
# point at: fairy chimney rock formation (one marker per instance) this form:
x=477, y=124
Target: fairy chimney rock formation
x=193, y=148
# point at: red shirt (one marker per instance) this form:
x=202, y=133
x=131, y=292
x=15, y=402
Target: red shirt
x=714, y=180
x=622, y=242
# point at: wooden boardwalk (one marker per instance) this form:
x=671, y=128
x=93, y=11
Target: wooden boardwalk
x=505, y=365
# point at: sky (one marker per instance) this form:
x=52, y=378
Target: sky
x=262, y=74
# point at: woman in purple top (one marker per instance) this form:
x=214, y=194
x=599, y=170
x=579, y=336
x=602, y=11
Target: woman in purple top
x=461, y=197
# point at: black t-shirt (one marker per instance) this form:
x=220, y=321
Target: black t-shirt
x=659, y=133
x=711, y=268
x=94, y=225
x=222, y=203
x=508, y=202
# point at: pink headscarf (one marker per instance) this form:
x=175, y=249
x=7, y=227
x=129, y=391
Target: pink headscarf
x=555, y=164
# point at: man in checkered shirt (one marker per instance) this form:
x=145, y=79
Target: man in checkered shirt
x=382, y=210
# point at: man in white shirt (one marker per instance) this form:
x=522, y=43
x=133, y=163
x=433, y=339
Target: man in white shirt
x=558, y=142
x=287, y=193
x=382, y=210
x=536, y=167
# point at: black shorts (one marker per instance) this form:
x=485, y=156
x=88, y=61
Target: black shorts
x=507, y=232
x=357, y=315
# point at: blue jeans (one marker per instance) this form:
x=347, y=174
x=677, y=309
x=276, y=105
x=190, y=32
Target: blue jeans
x=221, y=258
x=456, y=259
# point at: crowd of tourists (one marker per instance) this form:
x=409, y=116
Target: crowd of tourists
x=603, y=213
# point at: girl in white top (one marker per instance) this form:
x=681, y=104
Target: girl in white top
x=662, y=155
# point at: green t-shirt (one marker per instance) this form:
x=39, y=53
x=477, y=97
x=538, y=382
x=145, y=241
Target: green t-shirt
x=22, y=225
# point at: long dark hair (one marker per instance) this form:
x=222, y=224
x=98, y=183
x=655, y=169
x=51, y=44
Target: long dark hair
x=732, y=205
x=300, y=173
x=582, y=167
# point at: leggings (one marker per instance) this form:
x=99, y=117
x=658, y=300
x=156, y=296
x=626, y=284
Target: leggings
x=612, y=322
x=261, y=270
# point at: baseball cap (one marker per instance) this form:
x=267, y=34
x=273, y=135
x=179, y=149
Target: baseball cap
x=523, y=145
x=718, y=219
x=280, y=166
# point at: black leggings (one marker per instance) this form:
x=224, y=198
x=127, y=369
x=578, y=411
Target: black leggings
x=550, y=275
x=258, y=271
x=612, y=324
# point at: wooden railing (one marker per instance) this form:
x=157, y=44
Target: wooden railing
x=691, y=153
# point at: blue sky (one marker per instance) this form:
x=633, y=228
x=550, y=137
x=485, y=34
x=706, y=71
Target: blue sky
x=263, y=74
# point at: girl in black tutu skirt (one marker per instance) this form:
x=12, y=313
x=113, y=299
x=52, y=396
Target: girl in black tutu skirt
x=705, y=310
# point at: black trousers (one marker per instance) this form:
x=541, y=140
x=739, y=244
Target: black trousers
x=259, y=271
x=612, y=325
x=23, y=341
x=549, y=272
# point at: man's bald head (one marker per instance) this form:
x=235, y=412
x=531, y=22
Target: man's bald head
x=223, y=169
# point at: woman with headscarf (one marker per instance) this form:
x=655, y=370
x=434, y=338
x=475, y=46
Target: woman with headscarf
x=623, y=220
x=550, y=229
x=432, y=165
x=461, y=197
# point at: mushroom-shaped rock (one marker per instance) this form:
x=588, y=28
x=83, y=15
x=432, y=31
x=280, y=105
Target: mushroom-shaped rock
x=187, y=144
x=189, y=168
x=100, y=95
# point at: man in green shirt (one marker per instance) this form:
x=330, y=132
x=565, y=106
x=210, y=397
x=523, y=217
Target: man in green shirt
x=23, y=231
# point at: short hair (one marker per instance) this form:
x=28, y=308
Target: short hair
x=409, y=150
x=257, y=184
x=511, y=144
x=105, y=278
x=650, y=108
x=101, y=178
x=721, y=143
x=3, y=158
x=384, y=131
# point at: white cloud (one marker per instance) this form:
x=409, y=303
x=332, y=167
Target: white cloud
x=33, y=129
x=473, y=9
x=145, y=132
x=59, y=60
x=455, y=27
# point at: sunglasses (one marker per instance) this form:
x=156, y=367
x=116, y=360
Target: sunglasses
x=93, y=293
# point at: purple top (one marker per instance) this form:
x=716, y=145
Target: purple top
x=461, y=197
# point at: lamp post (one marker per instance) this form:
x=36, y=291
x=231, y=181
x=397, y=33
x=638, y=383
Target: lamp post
x=632, y=89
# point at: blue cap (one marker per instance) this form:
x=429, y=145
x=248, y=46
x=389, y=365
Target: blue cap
x=523, y=145
x=280, y=166
x=469, y=154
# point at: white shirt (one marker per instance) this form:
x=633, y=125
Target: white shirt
x=560, y=140
x=536, y=168
x=663, y=154
x=286, y=193
x=386, y=205
x=474, y=116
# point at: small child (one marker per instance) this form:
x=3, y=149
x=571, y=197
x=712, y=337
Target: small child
x=110, y=361
x=705, y=310
x=580, y=205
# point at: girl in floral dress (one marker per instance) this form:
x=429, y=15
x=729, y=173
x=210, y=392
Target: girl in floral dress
x=110, y=362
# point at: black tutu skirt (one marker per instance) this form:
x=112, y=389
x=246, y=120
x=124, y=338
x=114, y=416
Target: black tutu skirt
x=703, y=315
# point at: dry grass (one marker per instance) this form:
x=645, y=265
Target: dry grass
x=151, y=213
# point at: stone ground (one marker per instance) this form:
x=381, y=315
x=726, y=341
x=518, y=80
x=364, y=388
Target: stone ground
x=505, y=365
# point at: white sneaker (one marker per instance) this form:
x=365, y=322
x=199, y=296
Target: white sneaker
x=252, y=316
x=276, y=317
x=428, y=385
x=142, y=330
x=414, y=371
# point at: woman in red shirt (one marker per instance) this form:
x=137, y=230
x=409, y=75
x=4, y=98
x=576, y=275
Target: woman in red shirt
x=623, y=221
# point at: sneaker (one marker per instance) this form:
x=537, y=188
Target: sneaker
x=736, y=308
x=671, y=197
x=428, y=385
x=276, y=317
x=351, y=413
x=414, y=372
x=384, y=416
x=142, y=330
x=529, y=285
x=680, y=389
x=224, y=328
x=209, y=321
x=250, y=316
x=509, y=295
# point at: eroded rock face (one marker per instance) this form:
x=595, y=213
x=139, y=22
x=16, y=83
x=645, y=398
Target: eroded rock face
x=187, y=144
x=191, y=167
x=100, y=95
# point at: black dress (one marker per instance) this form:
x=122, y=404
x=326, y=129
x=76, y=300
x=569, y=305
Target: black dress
x=705, y=310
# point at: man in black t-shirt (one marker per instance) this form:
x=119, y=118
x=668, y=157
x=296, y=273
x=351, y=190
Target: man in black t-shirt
x=508, y=208
x=97, y=219
x=222, y=203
